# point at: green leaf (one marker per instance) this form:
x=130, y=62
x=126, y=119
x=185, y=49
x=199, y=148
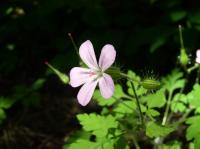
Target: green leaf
x=155, y=130
x=152, y=113
x=173, y=81
x=175, y=145
x=193, y=131
x=119, y=93
x=139, y=89
x=178, y=103
x=2, y=115
x=99, y=125
x=6, y=103
x=125, y=107
x=177, y=15
x=194, y=96
x=81, y=144
x=155, y=100
x=38, y=84
x=77, y=135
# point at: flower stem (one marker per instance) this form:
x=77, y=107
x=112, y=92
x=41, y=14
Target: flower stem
x=138, y=103
x=135, y=94
x=73, y=42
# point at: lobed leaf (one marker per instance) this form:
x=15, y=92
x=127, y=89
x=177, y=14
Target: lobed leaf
x=97, y=124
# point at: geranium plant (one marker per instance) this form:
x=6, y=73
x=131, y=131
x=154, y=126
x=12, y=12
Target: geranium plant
x=146, y=113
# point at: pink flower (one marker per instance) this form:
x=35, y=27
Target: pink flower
x=95, y=74
x=198, y=56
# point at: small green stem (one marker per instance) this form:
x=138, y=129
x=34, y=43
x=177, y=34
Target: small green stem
x=138, y=103
x=167, y=109
x=135, y=94
x=73, y=42
x=189, y=70
x=181, y=36
x=129, y=78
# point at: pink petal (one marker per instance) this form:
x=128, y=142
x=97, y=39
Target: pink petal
x=79, y=76
x=107, y=57
x=198, y=53
x=198, y=60
x=106, y=86
x=86, y=92
x=86, y=52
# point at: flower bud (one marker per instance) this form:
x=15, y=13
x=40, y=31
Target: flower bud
x=150, y=84
x=183, y=57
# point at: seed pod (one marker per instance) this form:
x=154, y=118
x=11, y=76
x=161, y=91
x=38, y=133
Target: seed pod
x=150, y=84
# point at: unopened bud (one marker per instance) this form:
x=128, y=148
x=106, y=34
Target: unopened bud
x=183, y=57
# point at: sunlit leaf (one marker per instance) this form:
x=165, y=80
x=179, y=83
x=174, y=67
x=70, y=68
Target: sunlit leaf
x=178, y=103
x=155, y=130
x=155, y=100
x=97, y=124
x=193, y=131
x=194, y=96
x=173, y=81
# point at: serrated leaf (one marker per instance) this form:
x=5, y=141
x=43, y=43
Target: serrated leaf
x=81, y=144
x=194, y=96
x=152, y=113
x=193, y=131
x=99, y=125
x=178, y=103
x=125, y=107
x=139, y=89
x=118, y=93
x=155, y=130
x=155, y=100
x=173, y=81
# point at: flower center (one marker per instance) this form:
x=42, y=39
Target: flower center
x=99, y=73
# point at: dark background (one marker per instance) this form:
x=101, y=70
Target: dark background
x=144, y=33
